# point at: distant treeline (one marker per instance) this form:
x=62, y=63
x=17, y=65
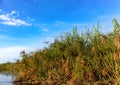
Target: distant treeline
x=72, y=59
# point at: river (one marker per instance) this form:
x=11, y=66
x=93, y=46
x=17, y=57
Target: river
x=5, y=79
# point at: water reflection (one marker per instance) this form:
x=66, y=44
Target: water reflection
x=17, y=83
x=25, y=84
x=7, y=80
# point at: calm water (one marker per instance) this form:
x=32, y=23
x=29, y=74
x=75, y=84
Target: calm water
x=5, y=79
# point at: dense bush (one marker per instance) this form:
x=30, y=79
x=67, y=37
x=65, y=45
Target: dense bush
x=74, y=59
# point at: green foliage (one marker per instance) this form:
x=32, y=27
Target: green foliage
x=74, y=59
x=116, y=27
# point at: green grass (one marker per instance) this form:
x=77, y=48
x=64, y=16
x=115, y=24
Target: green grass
x=73, y=59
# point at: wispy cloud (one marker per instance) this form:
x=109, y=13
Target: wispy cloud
x=12, y=20
x=12, y=53
x=3, y=37
x=42, y=27
x=45, y=30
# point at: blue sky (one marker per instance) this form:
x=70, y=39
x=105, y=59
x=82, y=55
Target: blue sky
x=27, y=24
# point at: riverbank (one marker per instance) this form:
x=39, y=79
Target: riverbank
x=73, y=59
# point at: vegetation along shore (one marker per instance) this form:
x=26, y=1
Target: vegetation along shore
x=90, y=58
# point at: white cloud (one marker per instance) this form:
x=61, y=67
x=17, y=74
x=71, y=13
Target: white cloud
x=12, y=53
x=3, y=37
x=43, y=27
x=10, y=19
x=45, y=30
